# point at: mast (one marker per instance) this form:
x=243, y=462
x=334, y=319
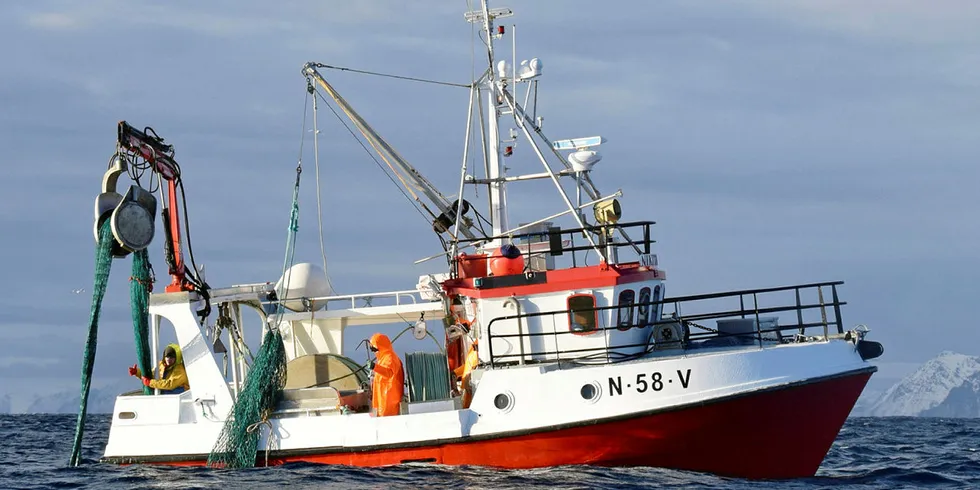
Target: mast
x=498, y=191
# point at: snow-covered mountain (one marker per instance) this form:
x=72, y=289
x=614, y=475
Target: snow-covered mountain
x=947, y=386
x=870, y=395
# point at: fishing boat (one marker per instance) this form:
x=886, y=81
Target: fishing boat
x=583, y=359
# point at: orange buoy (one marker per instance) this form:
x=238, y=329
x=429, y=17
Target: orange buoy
x=506, y=261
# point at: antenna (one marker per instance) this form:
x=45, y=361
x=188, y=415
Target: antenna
x=475, y=16
x=578, y=143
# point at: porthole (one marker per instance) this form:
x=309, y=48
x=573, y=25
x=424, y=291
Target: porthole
x=590, y=392
x=504, y=402
x=127, y=415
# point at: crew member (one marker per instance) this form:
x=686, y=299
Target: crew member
x=464, y=371
x=388, y=385
x=171, y=376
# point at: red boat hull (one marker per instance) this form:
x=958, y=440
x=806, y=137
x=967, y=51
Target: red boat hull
x=779, y=433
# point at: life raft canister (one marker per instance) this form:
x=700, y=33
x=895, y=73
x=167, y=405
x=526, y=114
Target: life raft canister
x=506, y=261
x=473, y=265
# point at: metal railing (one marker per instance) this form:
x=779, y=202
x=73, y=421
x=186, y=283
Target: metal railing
x=687, y=313
x=553, y=241
x=387, y=298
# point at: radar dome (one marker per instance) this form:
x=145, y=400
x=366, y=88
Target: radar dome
x=300, y=281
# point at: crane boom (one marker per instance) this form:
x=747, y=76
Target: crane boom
x=410, y=177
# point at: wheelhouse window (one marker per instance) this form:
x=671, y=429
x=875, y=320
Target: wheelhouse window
x=582, y=317
x=625, y=311
x=658, y=296
x=643, y=308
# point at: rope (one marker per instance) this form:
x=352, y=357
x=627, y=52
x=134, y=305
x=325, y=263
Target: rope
x=103, y=263
x=265, y=421
x=290, y=247
x=356, y=370
x=428, y=376
x=254, y=427
x=316, y=165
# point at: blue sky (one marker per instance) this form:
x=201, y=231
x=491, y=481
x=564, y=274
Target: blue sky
x=773, y=142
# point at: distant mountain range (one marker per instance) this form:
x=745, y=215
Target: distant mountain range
x=5, y=404
x=100, y=400
x=946, y=386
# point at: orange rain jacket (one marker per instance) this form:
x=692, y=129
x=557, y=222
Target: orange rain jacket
x=472, y=360
x=388, y=386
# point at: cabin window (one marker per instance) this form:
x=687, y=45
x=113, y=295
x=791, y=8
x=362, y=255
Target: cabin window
x=643, y=308
x=582, y=317
x=658, y=296
x=626, y=300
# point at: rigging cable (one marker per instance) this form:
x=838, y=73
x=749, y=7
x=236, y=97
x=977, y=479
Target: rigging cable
x=310, y=90
x=376, y=162
x=387, y=75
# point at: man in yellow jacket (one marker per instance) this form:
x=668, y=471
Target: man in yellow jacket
x=171, y=376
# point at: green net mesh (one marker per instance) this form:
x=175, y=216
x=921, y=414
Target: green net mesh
x=139, y=295
x=103, y=262
x=238, y=442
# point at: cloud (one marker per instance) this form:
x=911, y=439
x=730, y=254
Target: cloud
x=773, y=142
x=882, y=20
x=53, y=21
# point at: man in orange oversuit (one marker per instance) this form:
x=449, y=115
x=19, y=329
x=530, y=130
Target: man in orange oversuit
x=388, y=385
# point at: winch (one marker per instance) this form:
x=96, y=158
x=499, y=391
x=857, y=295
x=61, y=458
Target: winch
x=131, y=215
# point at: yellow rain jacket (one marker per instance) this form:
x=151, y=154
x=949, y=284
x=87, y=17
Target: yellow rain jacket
x=171, y=380
x=388, y=385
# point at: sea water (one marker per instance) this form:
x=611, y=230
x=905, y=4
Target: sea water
x=869, y=453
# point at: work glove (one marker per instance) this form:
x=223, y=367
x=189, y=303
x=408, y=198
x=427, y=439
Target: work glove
x=133, y=370
x=371, y=364
x=146, y=381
